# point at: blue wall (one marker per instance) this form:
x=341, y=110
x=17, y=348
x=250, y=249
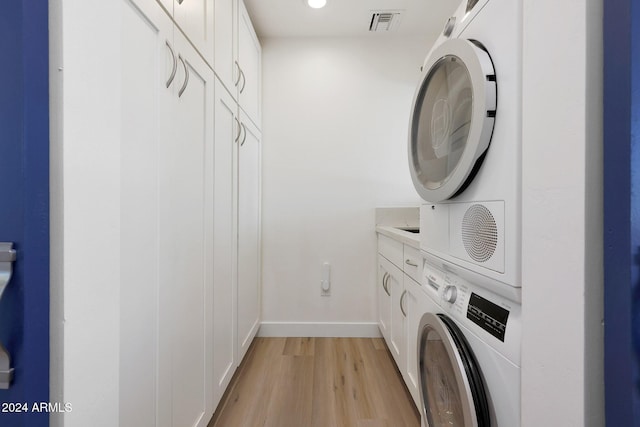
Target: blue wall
x=622, y=211
x=24, y=211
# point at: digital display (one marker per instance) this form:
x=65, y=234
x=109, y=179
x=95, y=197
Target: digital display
x=489, y=316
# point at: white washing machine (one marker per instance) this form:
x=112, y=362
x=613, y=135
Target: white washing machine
x=468, y=353
x=465, y=142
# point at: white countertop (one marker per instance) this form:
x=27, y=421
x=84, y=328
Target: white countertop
x=411, y=239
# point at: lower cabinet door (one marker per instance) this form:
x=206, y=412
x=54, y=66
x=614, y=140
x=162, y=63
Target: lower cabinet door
x=414, y=307
x=249, y=194
x=225, y=359
x=384, y=299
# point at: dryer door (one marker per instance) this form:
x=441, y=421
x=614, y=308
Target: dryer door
x=451, y=385
x=452, y=118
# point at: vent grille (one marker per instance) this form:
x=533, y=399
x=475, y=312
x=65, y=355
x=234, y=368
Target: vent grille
x=479, y=233
x=384, y=21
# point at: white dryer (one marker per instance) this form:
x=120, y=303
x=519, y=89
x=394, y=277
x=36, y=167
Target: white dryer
x=465, y=142
x=468, y=353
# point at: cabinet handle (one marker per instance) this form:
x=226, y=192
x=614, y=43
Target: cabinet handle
x=186, y=77
x=404, y=313
x=384, y=278
x=239, y=129
x=180, y=1
x=244, y=138
x=244, y=80
x=408, y=262
x=385, y=284
x=239, y=74
x=175, y=65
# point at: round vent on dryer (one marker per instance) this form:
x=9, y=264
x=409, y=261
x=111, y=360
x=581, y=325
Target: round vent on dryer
x=479, y=233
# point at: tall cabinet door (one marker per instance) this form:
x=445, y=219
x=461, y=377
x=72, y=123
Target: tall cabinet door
x=226, y=30
x=186, y=301
x=195, y=19
x=227, y=132
x=145, y=103
x=250, y=60
x=249, y=194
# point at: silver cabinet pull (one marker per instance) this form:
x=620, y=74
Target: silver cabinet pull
x=175, y=65
x=239, y=129
x=408, y=262
x=384, y=278
x=186, y=76
x=244, y=80
x=385, y=284
x=239, y=74
x=244, y=138
x=7, y=257
x=404, y=313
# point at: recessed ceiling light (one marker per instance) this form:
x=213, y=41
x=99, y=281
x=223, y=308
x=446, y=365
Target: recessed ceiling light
x=316, y=4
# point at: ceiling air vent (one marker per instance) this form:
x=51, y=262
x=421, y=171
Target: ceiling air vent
x=384, y=20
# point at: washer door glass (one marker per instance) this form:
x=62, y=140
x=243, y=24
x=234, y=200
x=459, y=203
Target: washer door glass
x=452, y=120
x=451, y=383
x=441, y=388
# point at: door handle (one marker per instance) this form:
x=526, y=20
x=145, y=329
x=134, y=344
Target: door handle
x=186, y=76
x=412, y=264
x=7, y=257
x=174, y=67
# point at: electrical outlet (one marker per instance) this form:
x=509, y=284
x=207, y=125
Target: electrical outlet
x=325, y=280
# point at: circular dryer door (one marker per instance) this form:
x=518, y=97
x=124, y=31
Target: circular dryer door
x=451, y=385
x=452, y=119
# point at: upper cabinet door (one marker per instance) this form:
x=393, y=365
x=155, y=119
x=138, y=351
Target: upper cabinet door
x=226, y=45
x=250, y=64
x=195, y=19
x=167, y=4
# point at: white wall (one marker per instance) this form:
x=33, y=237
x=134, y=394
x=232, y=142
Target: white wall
x=562, y=348
x=335, y=127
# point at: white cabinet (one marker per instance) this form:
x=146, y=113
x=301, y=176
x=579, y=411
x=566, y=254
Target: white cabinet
x=396, y=336
x=166, y=232
x=238, y=56
x=384, y=297
x=225, y=359
x=401, y=303
x=226, y=43
x=250, y=65
x=249, y=261
x=148, y=157
x=236, y=236
x=186, y=240
x=145, y=105
x=413, y=304
x=195, y=19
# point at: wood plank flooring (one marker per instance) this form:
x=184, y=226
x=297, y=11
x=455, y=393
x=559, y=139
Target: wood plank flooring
x=317, y=382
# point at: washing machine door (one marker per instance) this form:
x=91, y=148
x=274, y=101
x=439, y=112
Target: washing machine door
x=452, y=119
x=451, y=386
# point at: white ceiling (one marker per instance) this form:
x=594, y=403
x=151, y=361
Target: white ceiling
x=339, y=18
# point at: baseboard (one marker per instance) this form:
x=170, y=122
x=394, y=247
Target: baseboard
x=310, y=329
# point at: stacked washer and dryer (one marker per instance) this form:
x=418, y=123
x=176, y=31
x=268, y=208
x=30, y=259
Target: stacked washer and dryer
x=465, y=162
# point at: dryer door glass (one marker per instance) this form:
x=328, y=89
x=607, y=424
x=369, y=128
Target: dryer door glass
x=444, y=107
x=452, y=119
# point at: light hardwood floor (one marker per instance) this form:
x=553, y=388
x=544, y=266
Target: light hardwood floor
x=317, y=382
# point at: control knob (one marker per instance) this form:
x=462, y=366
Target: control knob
x=450, y=294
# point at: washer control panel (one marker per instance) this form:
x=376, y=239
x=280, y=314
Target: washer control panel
x=492, y=317
x=489, y=316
